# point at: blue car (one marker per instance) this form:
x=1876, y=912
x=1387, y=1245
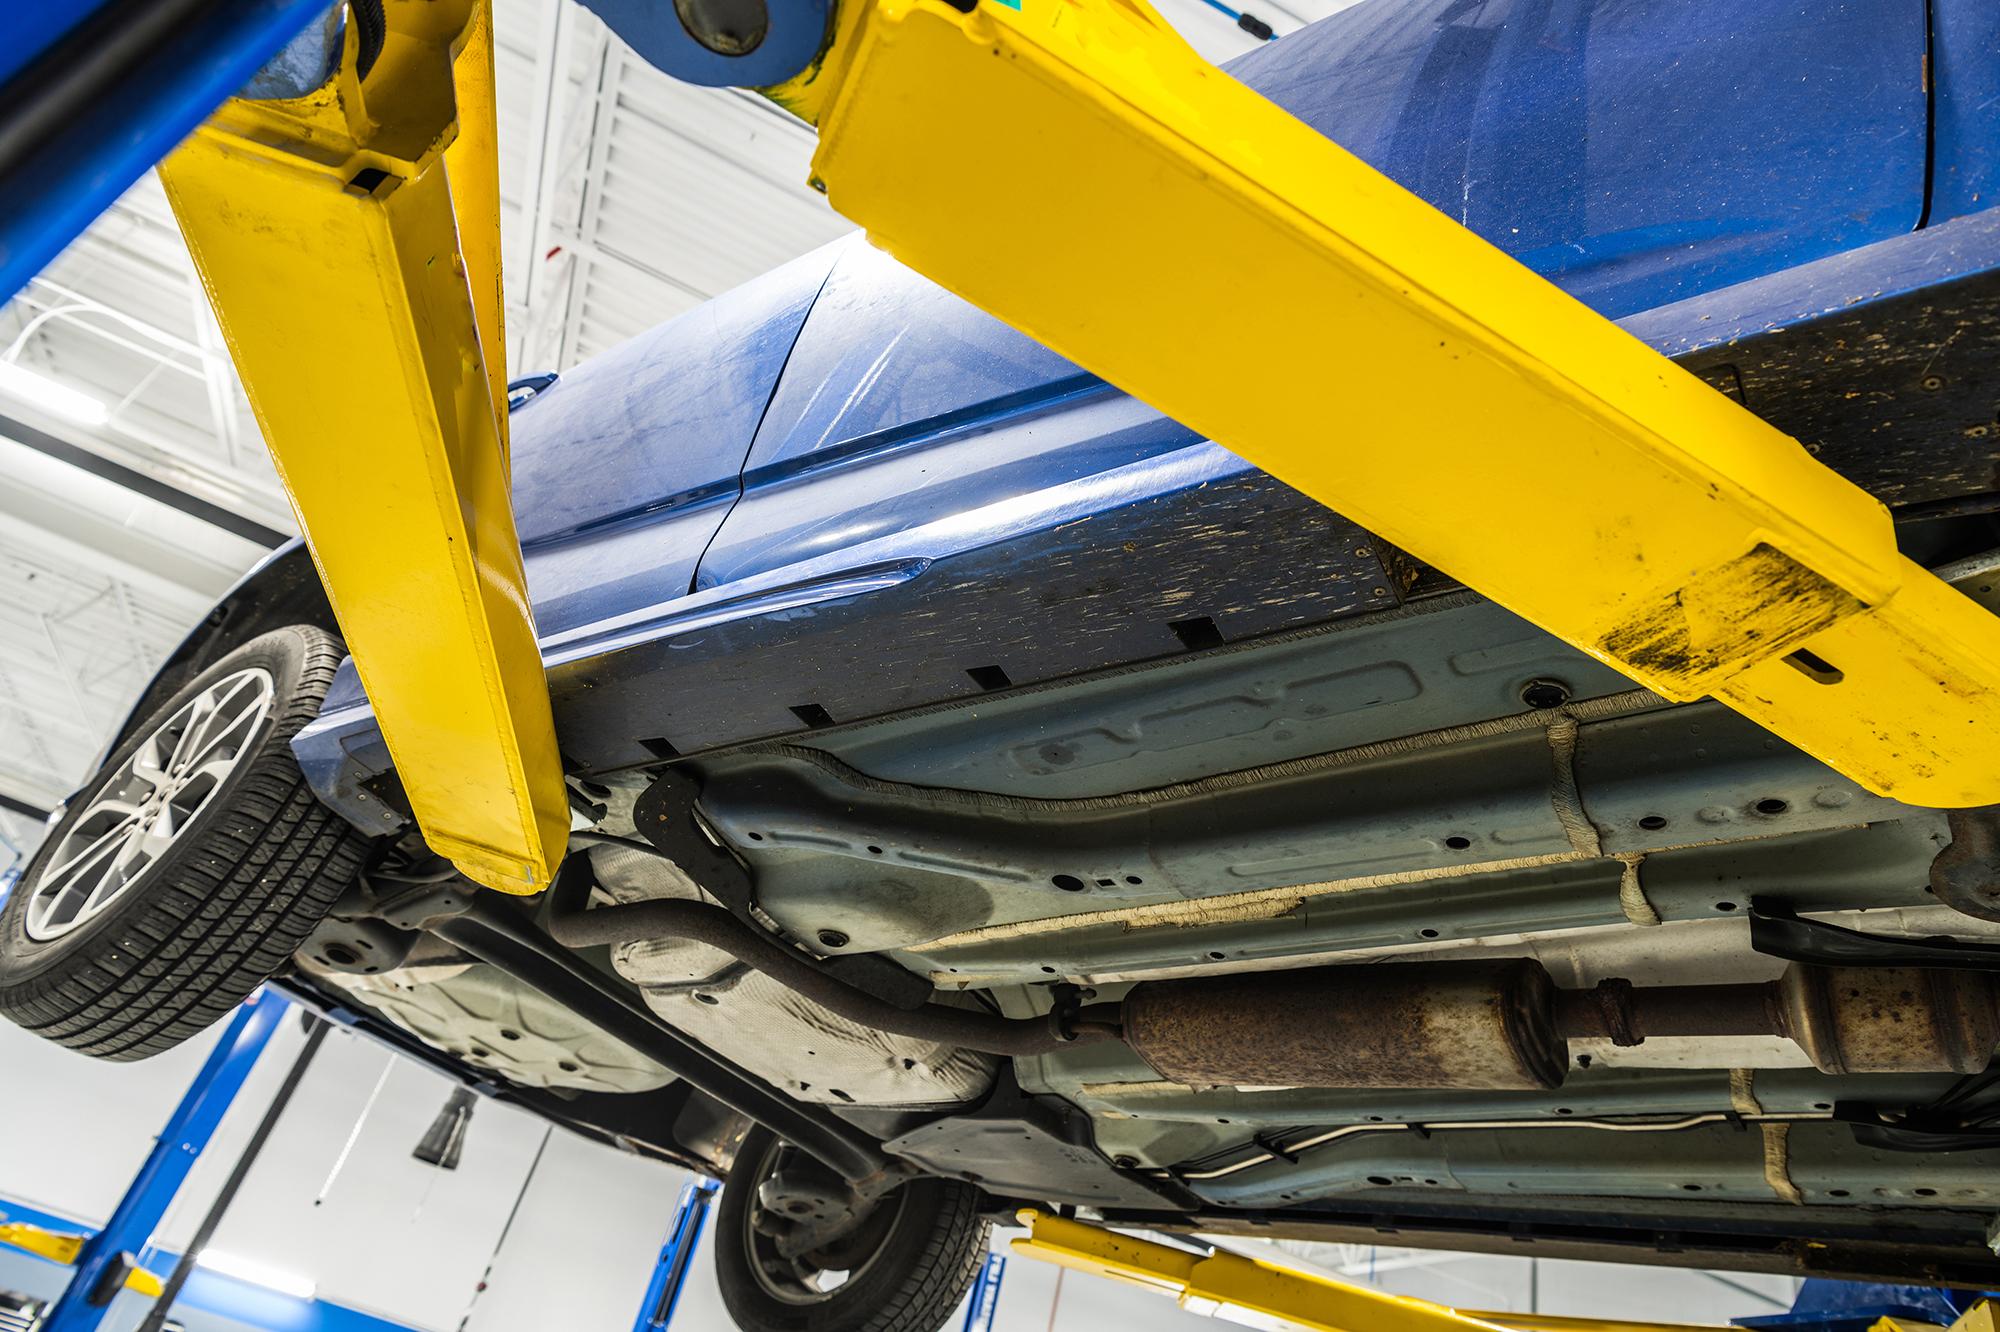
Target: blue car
x=988, y=792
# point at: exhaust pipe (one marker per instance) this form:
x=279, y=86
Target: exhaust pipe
x=1503, y=1025
x=1500, y=1025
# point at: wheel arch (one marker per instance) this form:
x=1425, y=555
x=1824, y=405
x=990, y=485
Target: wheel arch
x=283, y=588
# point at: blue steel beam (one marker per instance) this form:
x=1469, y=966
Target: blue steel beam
x=1856, y=1306
x=187, y=1132
x=111, y=87
x=985, y=1299
x=663, y=1292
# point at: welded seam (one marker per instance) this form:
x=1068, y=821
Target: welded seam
x=1566, y=798
x=1776, y=1136
x=1632, y=893
x=1563, y=796
x=1257, y=904
x=1596, y=709
x=1743, y=1092
x=1778, y=1162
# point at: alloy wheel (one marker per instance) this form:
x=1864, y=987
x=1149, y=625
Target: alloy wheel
x=146, y=803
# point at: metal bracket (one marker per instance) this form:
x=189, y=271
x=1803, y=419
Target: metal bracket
x=665, y=816
x=1966, y=1118
x=1776, y=932
x=1966, y=875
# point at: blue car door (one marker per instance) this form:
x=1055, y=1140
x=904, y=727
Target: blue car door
x=625, y=467
x=902, y=405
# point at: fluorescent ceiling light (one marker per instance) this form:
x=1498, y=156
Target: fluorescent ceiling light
x=257, y=1274
x=20, y=382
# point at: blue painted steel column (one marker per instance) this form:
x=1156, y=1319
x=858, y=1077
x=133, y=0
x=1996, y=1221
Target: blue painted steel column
x=188, y=1130
x=52, y=186
x=985, y=1299
x=1856, y=1306
x=663, y=1292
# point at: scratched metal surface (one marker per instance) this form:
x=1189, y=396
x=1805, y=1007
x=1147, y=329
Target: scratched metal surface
x=1099, y=590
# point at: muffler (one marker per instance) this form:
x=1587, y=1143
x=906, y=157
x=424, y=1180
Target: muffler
x=1503, y=1025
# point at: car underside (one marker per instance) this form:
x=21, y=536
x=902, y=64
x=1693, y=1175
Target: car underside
x=987, y=793
x=1415, y=924
x=1270, y=883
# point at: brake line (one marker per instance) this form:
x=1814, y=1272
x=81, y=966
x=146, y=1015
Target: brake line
x=1607, y=1125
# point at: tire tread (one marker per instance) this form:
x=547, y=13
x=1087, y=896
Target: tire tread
x=227, y=916
x=931, y=1256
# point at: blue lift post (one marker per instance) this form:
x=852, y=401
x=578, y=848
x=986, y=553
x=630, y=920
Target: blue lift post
x=96, y=93
x=1856, y=1306
x=193, y=1123
x=663, y=1292
x=979, y=1309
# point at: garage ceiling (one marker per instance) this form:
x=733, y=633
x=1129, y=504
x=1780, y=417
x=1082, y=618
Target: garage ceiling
x=626, y=199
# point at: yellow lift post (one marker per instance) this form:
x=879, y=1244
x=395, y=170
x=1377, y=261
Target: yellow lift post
x=350, y=243
x=1238, y=1289
x=1074, y=168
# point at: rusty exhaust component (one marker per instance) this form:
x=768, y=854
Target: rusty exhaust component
x=1846, y=1019
x=1890, y=1019
x=1966, y=874
x=1505, y=1026
x=1614, y=1010
x=1418, y=1024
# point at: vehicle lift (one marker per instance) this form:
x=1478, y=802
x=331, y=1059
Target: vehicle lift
x=1238, y=1289
x=108, y=1261
x=1088, y=178
x=1077, y=170
x=663, y=1291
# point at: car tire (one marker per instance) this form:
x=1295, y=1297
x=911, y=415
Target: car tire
x=924, y=1248
x=187, y=871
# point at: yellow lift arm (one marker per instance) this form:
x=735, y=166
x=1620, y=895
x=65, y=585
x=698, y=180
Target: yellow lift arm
x=1074, y=168
x=1234, y=1288
x=1237, y=1289
x=349, y=241
x=62, y=1248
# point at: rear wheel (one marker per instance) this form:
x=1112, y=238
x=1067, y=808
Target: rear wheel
x=902, y=1267
x=185, y=872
